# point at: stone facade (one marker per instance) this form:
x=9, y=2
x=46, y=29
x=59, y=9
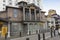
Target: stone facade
x=24, y=20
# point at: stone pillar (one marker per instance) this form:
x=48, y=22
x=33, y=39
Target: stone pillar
x=30, y=13
x=40, y=13
x=35, y=13
x=23, y=13
x=28, y=28
x=8, y=29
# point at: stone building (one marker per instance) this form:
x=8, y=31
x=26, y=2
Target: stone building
x=53, y=18
x=50, y=22
x=51, y=12
x=50, y=19
x=22, y=21
x=57, y=19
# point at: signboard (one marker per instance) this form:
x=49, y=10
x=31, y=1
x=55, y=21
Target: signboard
x=4, y=31
x=32, y=7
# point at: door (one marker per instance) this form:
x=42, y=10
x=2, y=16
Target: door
x=25, y=29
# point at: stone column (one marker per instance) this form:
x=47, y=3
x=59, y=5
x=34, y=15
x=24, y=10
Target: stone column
x=35, y=13
x=40, y=13
x=28, y=28
x=8, y=29
x=30, y=13
x=23, y=13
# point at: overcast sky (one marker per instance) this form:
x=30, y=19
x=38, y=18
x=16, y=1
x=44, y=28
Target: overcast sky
x=51, y=4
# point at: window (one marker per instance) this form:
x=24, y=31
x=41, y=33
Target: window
x=15, y=12
x=3, y=4
x=27, y=14
x=15, y=29
x=10, y=0
x=34, y=1
x=37, y=15
x=10, y=3
x=3, y=8
x=16, y=2
x=37, y=2
x=3, y=0
x=32, y=14
x=33, y=27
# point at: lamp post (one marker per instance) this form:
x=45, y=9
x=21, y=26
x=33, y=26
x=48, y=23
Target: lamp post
x=8, y=26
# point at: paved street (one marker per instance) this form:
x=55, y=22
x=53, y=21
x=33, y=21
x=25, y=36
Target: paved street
x=47, y=37
x=54, y=38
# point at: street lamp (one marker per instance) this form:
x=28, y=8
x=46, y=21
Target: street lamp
x=8, y=26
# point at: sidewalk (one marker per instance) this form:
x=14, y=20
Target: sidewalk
x=35, y=37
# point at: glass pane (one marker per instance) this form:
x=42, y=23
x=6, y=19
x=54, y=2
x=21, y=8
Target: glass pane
x=33, y=28
x=38, y=15
x=32, y=14
x=15, y=29
x=27, y=14
x=15, y=12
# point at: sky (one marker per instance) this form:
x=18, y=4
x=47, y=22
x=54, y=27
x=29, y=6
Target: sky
x=51, y=4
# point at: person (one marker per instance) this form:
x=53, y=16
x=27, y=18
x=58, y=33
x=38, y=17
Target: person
x=59, y=31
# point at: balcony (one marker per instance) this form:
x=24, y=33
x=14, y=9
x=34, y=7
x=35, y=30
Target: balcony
x=27, y=18
x=32, y=18
x=31, y=15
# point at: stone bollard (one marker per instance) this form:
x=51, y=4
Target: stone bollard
x=20, y=34
x=51, y=33
x=27, y=38
x=39, y=37
x=36, y=31
x=29, y=32
x=54, y=33
x=43, y=36
x=6, y=36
